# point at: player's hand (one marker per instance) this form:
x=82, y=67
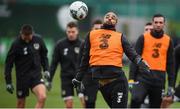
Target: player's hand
x=10, y=88
x=48, y=85
x=143, y=66
x=47, y=75
x=78, y=85
x=166, y=101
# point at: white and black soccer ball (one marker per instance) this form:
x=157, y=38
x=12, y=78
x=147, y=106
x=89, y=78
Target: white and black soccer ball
x=78, y=10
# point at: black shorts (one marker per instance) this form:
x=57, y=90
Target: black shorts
x=67, y=88
x=27, y=82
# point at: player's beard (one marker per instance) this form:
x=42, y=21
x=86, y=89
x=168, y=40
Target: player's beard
x=27, y=39
x=108, y=26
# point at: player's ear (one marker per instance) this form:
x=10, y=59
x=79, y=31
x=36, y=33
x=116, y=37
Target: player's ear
x=116, y=20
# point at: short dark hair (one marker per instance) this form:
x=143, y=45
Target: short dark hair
x=148, y=23
x=27, y=29
x=97, y=21
x=72, y=24
x=158, y=15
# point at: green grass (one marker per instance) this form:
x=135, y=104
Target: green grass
x=54, y=99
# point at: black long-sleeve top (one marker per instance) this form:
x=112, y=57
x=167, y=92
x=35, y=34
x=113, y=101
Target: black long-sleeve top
x=158, y=76
x=28, y=58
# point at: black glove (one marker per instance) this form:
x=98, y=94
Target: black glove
x=48, y=85
x=78, y=85
x=47, y=75
x=143, y=66
x=10, y=88
x=170, y=92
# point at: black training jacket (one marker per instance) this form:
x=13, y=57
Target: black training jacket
x=66, y=53
x=27, y=57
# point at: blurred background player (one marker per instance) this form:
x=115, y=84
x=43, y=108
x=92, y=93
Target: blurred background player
x=66, y=52
x=97, y=24
x=29, y=53
x=156, y=48
x=166, y=100
x=91, y=85
x=148, y=27
x=102, y=55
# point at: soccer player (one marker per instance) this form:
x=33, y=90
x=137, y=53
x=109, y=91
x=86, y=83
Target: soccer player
x=156, y=48
x=28, y=52
x=102, y=55
x=66, y=53
x=91, y=85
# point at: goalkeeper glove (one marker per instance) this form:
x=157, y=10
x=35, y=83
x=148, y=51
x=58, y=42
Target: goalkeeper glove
x=48, y=85
x=47, y=75
x=78, y=85
x=10, y=88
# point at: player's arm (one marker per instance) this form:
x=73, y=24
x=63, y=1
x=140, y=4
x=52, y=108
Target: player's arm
x=9, y=63
x=133, y=55
x=44, y=58
x=80, y=52
x=55, y=60
x=53, y=66
x=8, y=68
x=170, y=65
x=45, y=64
x=177, y=60
x=84, y=62
x=139, y=49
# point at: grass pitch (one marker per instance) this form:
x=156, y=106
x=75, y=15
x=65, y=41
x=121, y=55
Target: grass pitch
x=54, y=99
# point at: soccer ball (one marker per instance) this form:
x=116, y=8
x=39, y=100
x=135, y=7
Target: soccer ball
x=78, y=10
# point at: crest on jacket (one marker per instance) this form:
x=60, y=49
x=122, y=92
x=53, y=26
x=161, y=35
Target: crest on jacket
x=76, y=50
x=36, y=46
